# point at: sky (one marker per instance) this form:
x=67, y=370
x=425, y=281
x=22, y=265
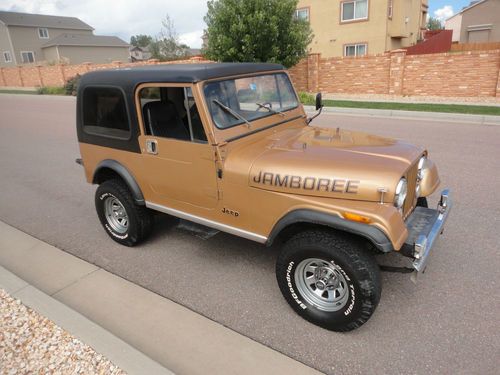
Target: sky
x=124, y=18
x=443, y=9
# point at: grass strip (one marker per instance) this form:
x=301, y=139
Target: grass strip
x=308, y=99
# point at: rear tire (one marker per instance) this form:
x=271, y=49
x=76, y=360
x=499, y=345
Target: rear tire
x=329, y=280
x=123, y=220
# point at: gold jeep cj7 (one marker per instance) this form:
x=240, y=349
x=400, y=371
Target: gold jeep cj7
x=229, y=146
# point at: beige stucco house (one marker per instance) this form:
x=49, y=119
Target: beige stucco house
x=139, y=53
x=477, y=23
x=360, y=27
x=34, y=38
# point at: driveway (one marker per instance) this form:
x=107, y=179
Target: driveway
x=447, y=323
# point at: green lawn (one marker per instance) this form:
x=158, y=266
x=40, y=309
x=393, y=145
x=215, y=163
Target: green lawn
x=47, y=90
x=29, y=92
x=421, y=107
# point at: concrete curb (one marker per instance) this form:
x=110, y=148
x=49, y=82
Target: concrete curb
x=413, y=115
x=31, y=96
x=103, y=342
x=116, y=317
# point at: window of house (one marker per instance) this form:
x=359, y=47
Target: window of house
x=43, y=32
x=7, y=57
x=354, y=10
x=302, y=14
x=171, y=112
x=355, y=49
x=390, y=9
x=105, y=112
x=27, y=57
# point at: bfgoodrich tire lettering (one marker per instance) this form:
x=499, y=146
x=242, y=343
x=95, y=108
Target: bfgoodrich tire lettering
x=348, y=284
x=123, y=220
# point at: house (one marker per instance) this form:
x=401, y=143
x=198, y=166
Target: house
x=193, y=52
x=34, y=38
x=139, y=53
x=477, y=23
x=360, y=27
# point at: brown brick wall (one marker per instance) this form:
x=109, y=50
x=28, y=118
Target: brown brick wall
x=366, y=75
x=56, y=75
x=469, y=74
x=299, y=75
x=465, y=74
x=12, y=77
x=30, y=76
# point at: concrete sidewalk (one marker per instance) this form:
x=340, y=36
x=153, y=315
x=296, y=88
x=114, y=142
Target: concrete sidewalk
x=410, y=115
x=427, y=99
x=138, y=330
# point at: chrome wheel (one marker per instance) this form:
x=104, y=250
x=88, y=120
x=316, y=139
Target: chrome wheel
x=116, y=215
x=322, y=284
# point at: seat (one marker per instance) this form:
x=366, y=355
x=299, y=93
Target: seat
x=162, y=120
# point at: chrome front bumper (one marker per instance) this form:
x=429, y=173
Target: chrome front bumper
x=424, y=226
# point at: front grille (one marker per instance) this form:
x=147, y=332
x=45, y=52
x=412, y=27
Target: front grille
x=411, y=198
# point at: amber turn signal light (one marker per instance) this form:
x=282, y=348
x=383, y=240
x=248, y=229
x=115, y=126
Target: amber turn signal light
x=358, y=218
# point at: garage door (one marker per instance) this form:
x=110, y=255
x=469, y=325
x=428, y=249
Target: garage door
x=479, y=36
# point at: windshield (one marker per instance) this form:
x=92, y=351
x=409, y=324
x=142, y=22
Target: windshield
x=242, y=100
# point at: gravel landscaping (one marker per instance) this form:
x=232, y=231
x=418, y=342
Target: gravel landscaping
x=32, y=344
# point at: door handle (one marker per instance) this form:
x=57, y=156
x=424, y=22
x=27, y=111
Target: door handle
x=152, y=146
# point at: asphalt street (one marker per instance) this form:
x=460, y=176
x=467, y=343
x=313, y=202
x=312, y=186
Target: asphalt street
x=447, y=323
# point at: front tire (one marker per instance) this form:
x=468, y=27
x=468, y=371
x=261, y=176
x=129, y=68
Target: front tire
x=329, y=280
x=124, y=221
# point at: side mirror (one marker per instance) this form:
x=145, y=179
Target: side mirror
x=319, y=101
x=319, y=107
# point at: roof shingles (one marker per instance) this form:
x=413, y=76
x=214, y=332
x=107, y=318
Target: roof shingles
x=41, y=20
x=86, y=40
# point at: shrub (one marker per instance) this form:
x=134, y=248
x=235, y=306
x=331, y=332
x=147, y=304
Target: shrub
x=306, y=98
x=71, y=85
x=51, y=90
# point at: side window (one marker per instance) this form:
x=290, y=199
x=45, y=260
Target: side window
x=105, y=113
x=196, y=124
x=171, y=112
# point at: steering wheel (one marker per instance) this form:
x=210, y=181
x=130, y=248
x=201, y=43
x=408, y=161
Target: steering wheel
x=265, y=105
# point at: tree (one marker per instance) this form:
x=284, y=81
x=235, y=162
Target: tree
x=256, y=31
x=166, y=46
x=141, y=40
x=434, y=24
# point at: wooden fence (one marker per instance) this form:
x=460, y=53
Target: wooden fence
x=462, y=47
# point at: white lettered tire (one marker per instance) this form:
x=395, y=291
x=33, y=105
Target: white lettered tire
x=124, y=221
x=329, y=279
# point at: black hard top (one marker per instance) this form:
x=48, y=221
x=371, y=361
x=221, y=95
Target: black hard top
x=177, y=73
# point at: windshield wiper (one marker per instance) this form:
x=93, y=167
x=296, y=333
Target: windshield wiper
x=263, y=105
x=230, y=111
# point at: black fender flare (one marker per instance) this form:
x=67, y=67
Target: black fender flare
x=378, y=238
x=125, y=174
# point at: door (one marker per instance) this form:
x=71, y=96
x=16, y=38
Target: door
x=179, y=163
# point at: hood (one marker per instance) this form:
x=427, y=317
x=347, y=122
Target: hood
x=331, y=163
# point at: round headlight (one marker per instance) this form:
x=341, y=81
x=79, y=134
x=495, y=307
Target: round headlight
x=420, y=174
x=421, y=162
x=421, y=165
x=401, y=192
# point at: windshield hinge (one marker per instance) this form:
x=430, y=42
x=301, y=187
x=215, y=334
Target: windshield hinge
x=221, y=150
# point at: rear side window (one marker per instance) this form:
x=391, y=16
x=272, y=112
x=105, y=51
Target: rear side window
x=105, y=113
